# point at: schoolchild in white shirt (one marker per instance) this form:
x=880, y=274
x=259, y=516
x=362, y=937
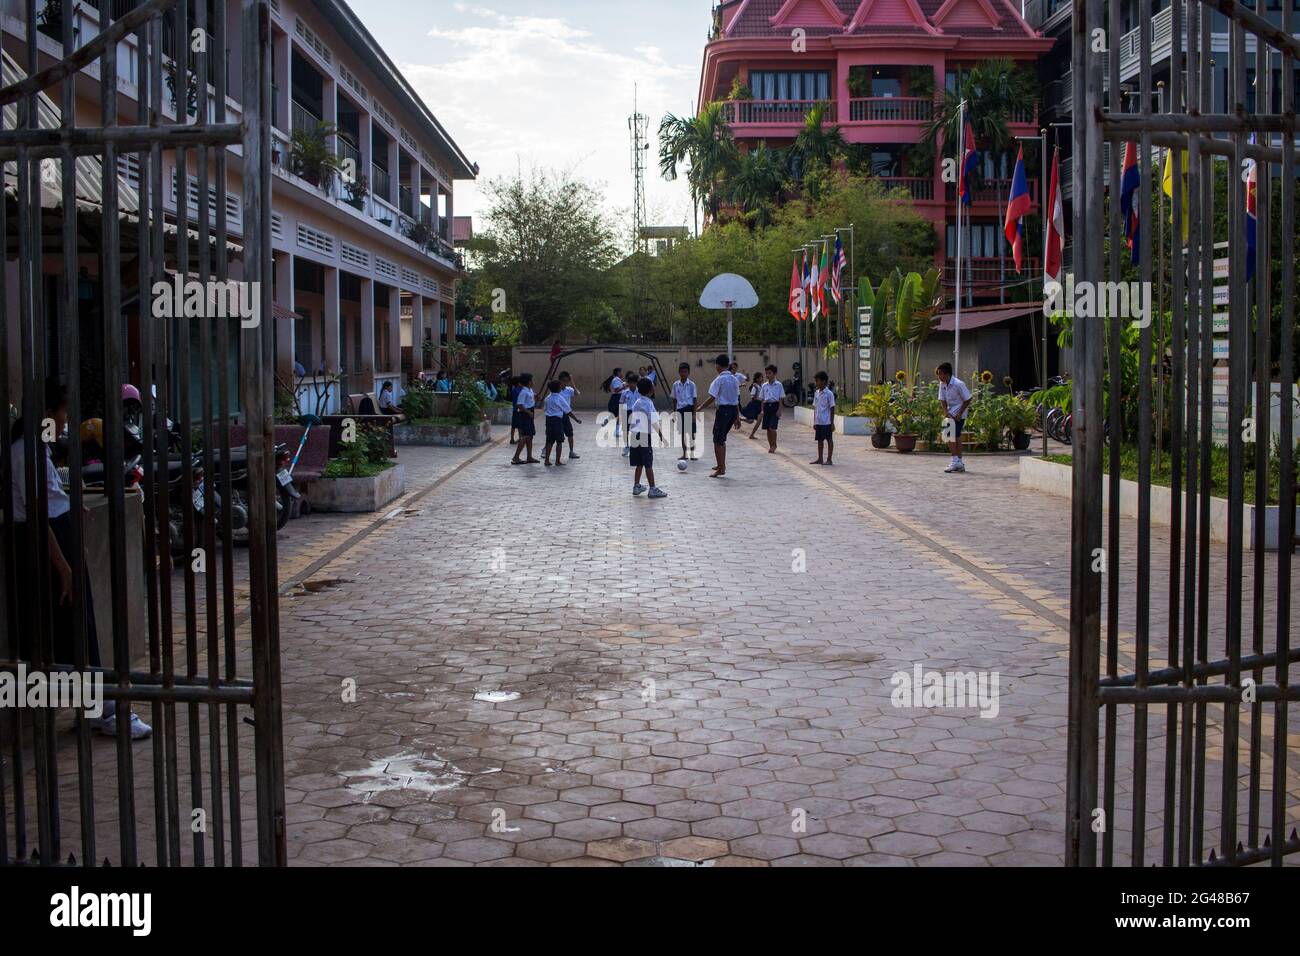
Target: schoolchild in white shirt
x=725, y=391
x=525, y=405
x=641, y=418
x=684, y=402
x=771, y=392
x=629, y=393
x=824, y=418
x=569, y=392
x=554, y=406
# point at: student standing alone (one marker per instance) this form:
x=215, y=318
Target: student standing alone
x=725, y=391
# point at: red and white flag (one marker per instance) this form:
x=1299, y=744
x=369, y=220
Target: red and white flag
x=796, y=292
x=1055, y=224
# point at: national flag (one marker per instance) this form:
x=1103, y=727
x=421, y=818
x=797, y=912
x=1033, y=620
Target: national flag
x=1017, y=209
x=1130, y=180
x=1055, y=251
x=825, y=278
x=814, y=289
x=796, y=291
x=970, y=160
x=807, y=287
x=1252, y=214
x=1167, y=184
x=837, y=271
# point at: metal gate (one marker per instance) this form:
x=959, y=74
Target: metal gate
x=1180, y=725
x=118, y=146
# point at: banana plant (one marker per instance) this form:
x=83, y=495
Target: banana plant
x=907, y=307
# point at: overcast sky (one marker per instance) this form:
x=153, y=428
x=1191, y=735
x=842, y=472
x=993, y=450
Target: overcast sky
x=550, y=83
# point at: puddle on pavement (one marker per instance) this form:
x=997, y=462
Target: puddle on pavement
x=319, y=585
x=496, y=696
x=419, y=772
x=666, y=861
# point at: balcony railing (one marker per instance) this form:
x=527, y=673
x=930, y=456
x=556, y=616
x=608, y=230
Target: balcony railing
x=302, y=118
x=406, y=200
x=918, y=187
x=346, y=150
x=773, y=112
x=381, y=183
x=994, y=190
x=1162, y=38
x=988, y=270
x=891, y=109
x=1041, y=14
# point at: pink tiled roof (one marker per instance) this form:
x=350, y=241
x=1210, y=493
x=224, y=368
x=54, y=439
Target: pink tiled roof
x=462, y=228
x=754, y=19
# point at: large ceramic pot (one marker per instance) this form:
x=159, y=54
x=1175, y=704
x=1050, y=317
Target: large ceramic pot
x=1020, y=440
x=905, y=443
x=880, y=439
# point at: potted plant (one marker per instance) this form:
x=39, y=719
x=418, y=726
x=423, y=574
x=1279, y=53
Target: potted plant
x=1021, y=417
x=928, y=416
x=312, y=157
x=357, y=188
x=875, y=405
x=902, y=412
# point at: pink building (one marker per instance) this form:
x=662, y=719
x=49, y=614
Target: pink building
x=880, y=65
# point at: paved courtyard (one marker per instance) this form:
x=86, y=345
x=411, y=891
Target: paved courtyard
x=528, y=666
x=552, y=671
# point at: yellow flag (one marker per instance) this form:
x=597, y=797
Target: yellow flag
x=1168, y=184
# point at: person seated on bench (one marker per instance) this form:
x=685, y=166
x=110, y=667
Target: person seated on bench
x=388, y=400
x=487, y=388
x=441, y=384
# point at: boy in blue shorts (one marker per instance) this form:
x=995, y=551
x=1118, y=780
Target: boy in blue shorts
x=641, y=416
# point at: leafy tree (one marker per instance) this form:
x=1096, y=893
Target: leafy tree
x=817, y=143
x=758, y=183
x=706, y=144
x=547, y=245
x=995, y=93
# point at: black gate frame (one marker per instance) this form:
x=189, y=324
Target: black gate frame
x=206, y=687
x=1210, y=675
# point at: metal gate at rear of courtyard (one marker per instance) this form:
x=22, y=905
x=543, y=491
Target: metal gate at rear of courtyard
x=1181, y=648
x=85, y=224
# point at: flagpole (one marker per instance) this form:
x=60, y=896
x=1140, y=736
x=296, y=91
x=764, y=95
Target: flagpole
x=961, y=161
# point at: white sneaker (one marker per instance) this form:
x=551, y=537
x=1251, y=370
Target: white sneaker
x=657, y=493
x=639, y=490
x=626, y=451
x=108, y=726
x=952, y=466
x=959, y=467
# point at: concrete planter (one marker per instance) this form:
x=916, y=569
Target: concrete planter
x=844, y=424
x=1055, y=479
x=500, y=414
x=357, y=494
x=457, y=436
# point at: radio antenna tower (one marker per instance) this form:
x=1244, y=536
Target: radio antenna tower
x=638, y=125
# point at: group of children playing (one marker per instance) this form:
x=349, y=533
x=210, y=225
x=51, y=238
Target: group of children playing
x=631, y=401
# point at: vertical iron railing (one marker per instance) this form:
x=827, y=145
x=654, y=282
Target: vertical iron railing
x=1179, y=719
x=209, y=671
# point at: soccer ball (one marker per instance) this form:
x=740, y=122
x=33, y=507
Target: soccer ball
x=682, y=464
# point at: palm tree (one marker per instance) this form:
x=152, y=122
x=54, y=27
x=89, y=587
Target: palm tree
x=995, y=92
x=706, y=143
x=758, y=181
x=816, y=143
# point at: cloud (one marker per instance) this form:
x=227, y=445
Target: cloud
x=523, y=90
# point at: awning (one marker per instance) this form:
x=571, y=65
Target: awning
x=979, y=316
x=283, y=312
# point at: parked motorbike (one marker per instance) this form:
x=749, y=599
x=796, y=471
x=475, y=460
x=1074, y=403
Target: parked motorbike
x=237, y=507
